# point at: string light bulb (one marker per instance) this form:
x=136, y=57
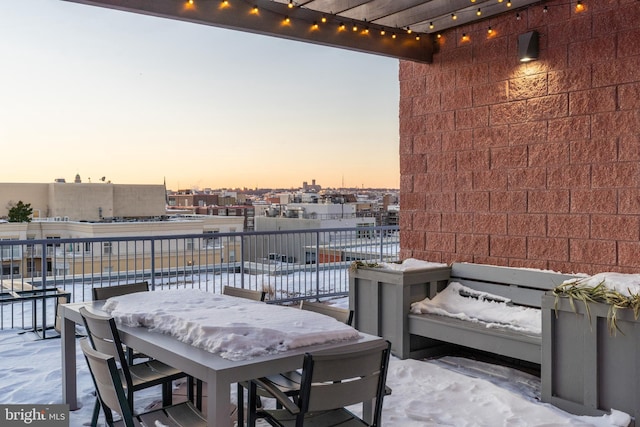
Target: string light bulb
x=518, y=17
x=342, y=27
x=439, y=35
x=409, y=31
x=431, y=25
x=287, y=20
x=224, y=3
x=393, y=36
x=315, y=26
x=190, y=2
x=479, y=12
x=545, y=9
x=323, y=20
x=418, y=38
x=489, y=30
x=255, y=10
x=508, y=4
x=355, y=27
x=454, y=16
x=383, y=32
x=290, y=4
x=579, y=6
x=465, y=37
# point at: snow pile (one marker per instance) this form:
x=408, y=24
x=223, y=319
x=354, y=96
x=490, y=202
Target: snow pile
x=410, y=264
x=235, y=328
x=626, y=284
x=464, y=303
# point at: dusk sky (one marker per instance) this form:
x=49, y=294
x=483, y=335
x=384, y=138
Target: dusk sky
x=98, y=92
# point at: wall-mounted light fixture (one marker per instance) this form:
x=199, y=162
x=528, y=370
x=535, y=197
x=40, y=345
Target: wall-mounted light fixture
x=528, y=46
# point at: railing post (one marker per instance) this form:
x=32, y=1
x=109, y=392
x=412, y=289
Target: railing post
x=241, y=262
x=317, y=264
x=381, y=245
x=153, y=264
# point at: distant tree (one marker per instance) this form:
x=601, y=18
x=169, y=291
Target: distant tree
x=21, y=212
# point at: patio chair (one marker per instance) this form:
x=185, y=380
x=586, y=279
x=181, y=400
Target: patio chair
x=244, y=293
x=106, y=292
x=332, y=380
x=289, y=382
x=104, y=338
x=112, y=396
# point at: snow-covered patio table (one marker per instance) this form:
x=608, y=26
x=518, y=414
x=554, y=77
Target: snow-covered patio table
x=239, y=320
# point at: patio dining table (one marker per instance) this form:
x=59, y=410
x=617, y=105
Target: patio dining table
x=217, y=372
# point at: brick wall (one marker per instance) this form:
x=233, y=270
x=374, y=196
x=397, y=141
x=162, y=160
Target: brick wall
x=533, y=165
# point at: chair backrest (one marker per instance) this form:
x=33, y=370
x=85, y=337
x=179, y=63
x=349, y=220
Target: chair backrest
x=244, y=293
x=343, y=315
x=106, y=377
x=113, y=291
x=104, y=338
x=336, y=379
x=57, y=324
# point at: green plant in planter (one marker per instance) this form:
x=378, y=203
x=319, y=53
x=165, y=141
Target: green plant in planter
x=579, y=289
x=357, y=264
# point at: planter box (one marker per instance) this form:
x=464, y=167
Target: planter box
x=586, y=369
x=381, y=300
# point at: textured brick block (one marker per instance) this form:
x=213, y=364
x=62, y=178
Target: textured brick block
x=629, y=95
x=472, y=118
x=490, y=49
x=508, y=201
x=426, y=221
x=406, y=220
x=508, y=113
x=523, y=179
x=548, y=154
x=529, y=263
x=528, y=133
x=508, y=246
x=495, y=136
x=405, y=108
x=572, y=226
x=527, y=224
x=457, y=222
x=445, y=242
x=490, y=223
x=629, y=201
x=440, y=162
x=440, y=122
x=629, y=147
x=592, y=251
x=476, y=201
x=427, y=143
x=406, y=184
x=413, y=240
x=406, y=145
x=593, y=50
x=473, y=160
x=413, y=163
x=427, y=103
x=472, y=75
x=492, y=93
x=621, y=70
x=457, y=140
x=569, y=80
x=413, y=87
x=604, y=125
x=568, y=177
x=594, y=151
x=509, y=157
x=490, y=180
x=456, y=99
x=528, y=87
x=628, y=42
x=429, y=182
x=413, y=201
x=549, y=201
x=615, y=227
x=615, y=175
x=575, y=29
x=457, y=181
x=593, y=201
x=440, y=202
x=628, y=254
x=412, y=125
x=547, y=107
x=593, y=100
x=476, y=244
x=569, y=129
x=624, y=17
x=556, y=249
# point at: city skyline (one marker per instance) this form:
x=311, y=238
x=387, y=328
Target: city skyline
x=139, y=99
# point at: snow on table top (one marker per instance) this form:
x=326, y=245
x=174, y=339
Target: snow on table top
x=235, y=328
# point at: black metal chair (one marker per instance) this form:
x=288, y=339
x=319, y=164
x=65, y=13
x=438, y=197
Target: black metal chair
x=331, y=381
x=104, y=338
x=107, y=377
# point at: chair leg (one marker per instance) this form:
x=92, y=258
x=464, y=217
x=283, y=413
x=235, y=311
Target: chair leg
x=190, y=390
x=96, y=413
x=240, y=405
x=252, y=405
x=199, y=394
x=167, y=393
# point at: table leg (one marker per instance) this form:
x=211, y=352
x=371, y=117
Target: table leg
x=68, y=346
x=218, y=403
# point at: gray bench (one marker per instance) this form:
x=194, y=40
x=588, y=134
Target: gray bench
x=381, y=300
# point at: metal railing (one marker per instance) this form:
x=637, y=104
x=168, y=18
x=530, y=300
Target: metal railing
x=288, y=265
